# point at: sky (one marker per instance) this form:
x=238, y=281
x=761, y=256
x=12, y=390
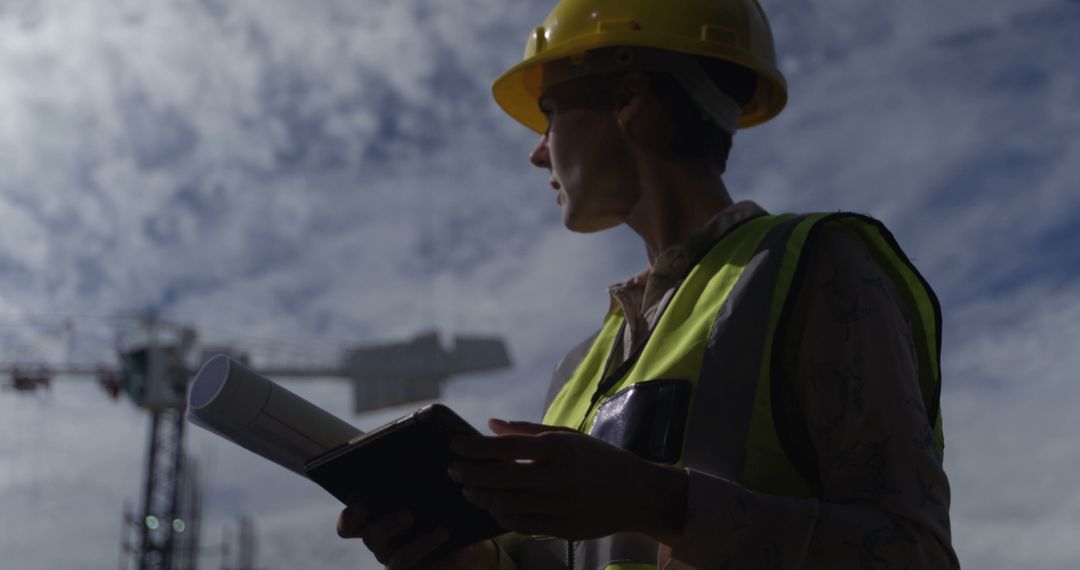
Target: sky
x=296, y=178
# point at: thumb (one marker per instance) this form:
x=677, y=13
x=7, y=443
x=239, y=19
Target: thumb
x=503, y=427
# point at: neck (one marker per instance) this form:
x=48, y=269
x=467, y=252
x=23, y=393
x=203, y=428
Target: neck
x=676, y=200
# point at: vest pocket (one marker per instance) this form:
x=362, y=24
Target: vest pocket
x=647, y=418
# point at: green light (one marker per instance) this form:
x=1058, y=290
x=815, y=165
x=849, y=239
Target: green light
x=178, y=525
x=152, y=522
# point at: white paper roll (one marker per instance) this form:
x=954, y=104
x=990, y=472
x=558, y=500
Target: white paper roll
x=252, y=411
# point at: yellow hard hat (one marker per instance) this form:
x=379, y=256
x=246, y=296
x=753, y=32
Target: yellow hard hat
x=732, y=30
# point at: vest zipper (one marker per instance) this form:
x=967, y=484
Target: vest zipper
x=569, y=555
x=609, y=378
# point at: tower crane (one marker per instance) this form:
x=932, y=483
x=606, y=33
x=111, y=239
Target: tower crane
x=153, y=369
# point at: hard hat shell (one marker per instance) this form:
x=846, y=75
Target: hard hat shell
x=732, y=30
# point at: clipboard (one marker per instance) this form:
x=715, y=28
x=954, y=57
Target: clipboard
x=402, y=465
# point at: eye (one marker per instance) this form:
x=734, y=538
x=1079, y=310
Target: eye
x=547, y=107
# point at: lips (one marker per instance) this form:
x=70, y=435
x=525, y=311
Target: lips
x=558, y=191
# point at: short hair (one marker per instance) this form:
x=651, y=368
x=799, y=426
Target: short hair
x=694, y=135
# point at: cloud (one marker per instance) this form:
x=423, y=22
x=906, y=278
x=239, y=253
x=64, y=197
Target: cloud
x=335, y=172
x=1009, y=415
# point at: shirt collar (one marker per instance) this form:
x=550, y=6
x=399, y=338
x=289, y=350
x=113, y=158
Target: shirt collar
x=674, y=262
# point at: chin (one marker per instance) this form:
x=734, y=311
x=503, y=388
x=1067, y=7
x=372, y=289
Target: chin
x=584, y=224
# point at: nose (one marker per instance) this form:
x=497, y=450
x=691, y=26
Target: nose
x=540, y=157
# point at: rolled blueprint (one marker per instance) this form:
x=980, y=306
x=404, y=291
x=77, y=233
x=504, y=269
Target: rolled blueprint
x=253, y=412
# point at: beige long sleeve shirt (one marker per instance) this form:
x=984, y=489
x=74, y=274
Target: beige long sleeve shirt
x=885, y=499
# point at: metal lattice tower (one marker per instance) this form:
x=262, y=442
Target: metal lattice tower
x=153, y=371
x=160, y=511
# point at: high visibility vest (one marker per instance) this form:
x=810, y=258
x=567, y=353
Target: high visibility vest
x=697, y=392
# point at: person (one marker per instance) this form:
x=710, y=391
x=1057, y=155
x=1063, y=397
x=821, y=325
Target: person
x=764, y=395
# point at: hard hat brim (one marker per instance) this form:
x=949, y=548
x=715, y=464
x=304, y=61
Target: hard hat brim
x=517, y=91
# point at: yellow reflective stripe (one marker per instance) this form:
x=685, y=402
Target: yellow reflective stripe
x=898, y=266
x=572, y=402
x=921, y=304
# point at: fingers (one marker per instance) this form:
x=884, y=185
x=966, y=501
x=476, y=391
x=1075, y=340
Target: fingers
x=382, y=532
x=509, y=447
x=502, y=475
x=351, y=522
x=530, y=524
x=524, y=428
x=417, y=549
x=517, y=503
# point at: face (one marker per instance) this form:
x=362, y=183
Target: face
x=588, y=158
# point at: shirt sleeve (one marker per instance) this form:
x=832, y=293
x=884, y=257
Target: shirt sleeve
x=884, y=497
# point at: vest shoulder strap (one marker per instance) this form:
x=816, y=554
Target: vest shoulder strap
x=917, y=300
x=566, y=367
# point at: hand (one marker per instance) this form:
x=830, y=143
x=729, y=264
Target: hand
x=550, y=480
x=394, y=543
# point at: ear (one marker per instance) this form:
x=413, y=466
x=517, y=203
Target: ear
x=640, y=113
x=631, y=96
